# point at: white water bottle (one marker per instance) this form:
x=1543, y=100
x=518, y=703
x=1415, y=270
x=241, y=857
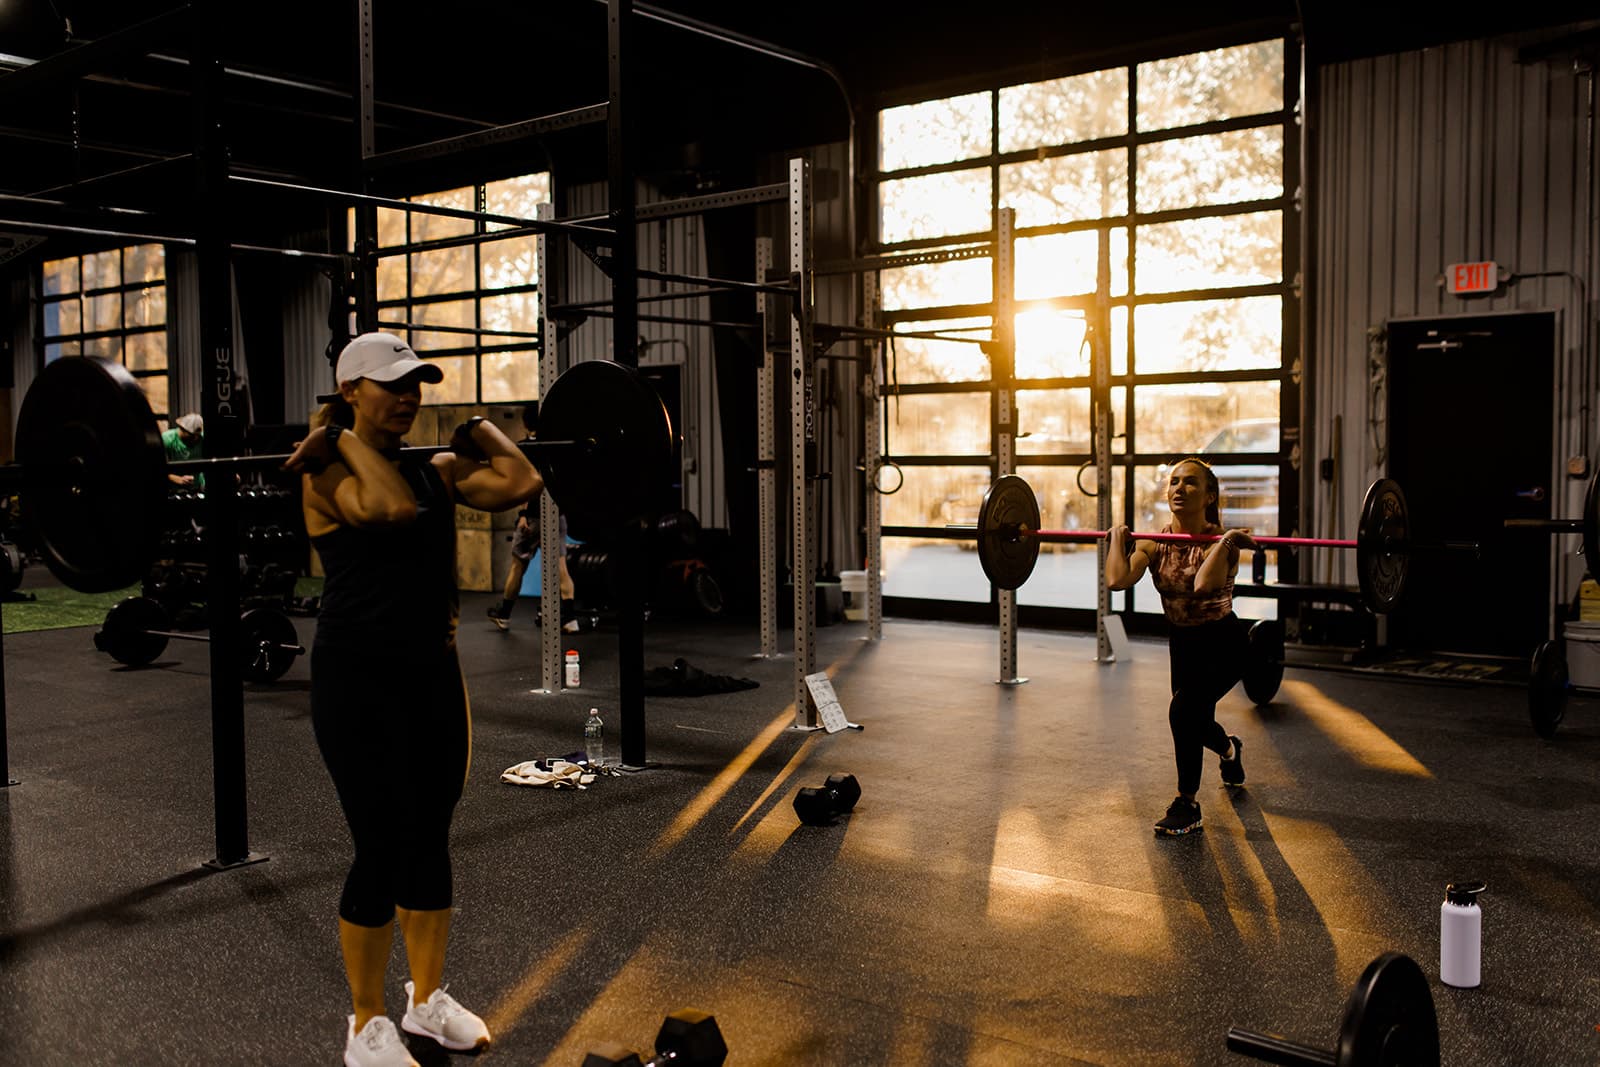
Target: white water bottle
x=594, y=742
x=572, y=668
x=1461, y=935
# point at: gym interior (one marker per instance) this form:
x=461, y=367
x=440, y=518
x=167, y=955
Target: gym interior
x=852, y=335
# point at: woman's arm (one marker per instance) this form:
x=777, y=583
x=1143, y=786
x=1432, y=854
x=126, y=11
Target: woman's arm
x=499, y=479
x=1124, y=568
x=1222, y=561
x=349, y=484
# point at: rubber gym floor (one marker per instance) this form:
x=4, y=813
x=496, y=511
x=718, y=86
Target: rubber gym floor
x=997, y=896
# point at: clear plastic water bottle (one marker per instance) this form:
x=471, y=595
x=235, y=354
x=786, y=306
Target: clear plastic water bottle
x=594, y=744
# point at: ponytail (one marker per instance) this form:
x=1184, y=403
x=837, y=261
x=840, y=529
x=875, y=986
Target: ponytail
x=335, y=412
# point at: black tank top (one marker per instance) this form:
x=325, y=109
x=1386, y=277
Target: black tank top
x=394, y=584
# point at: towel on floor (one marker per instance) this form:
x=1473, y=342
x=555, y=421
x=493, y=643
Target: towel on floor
x=554, y=773
x=683, y=680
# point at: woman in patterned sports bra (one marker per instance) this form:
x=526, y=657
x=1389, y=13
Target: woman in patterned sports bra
x=1208, y=642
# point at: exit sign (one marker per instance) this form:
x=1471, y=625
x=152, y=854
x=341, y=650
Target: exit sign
x=1467, y=278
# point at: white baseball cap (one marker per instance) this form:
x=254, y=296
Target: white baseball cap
x=383, y=357
x=191, y=423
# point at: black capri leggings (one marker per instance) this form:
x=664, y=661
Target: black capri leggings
x=395, y=731
x=1207, y=660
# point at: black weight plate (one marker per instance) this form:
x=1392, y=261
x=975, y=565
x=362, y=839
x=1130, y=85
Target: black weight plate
x=1383, y=546
x=621, y=476
x=95, y=473
x=10, y=567
x=1006, y=558
x=267, y=644
x=1389, y=1019
x=126, y=632
x=1591, y=527
x=1264, y=664
x=1547, y=688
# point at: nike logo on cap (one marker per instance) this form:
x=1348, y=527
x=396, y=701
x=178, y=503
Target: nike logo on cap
x=399, y=348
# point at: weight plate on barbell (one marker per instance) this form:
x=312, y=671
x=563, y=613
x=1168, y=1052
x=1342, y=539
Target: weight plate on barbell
x=1263, y=671
x=1006, y=558
x=267, y=643
x=1547, y=688
x=1389, y=1018
x=94, y=473
x=1382, y=546
x=1591, y=526
x=126, y=633
x=620, y=477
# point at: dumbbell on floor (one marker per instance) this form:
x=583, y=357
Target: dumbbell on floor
x=688, y=1037
x=819, y=807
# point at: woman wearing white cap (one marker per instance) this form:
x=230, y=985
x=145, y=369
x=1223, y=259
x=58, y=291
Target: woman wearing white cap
x=388, y=702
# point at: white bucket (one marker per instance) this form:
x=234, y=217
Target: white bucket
x=1583, y=653
x=854, y=586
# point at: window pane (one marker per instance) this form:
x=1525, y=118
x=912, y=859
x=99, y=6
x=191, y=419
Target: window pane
x=1188, y=420
x=1066, y=575
x=432, y=227
x=516, y=196
x=144, y=263
x=1224, y=168
x=443, y=270
x=1064, y=264
x=940, y=424
x=147, y=307
x=391, y=227
x=55, y=352
x=510, y=376
x=155, y=391
x=932, y=570
x=1050, y=344
x=460, y=385
x=104, y=347
x=101, y=270
x=509, y=262
x=102, y=312
x=937, y=496
x=63, y=317
x=392, y=278
x=1093, y=185
x=510, y=311
x=60, y=276
x=935, y=131
x=1204, y=335
x=450, y=313
x=1081, y=108
x=147, y=351
x=960, y=281
x=1057, y=421
x=1211, y=253
x=1243, y=80
x=916, y=359
x=935, y=205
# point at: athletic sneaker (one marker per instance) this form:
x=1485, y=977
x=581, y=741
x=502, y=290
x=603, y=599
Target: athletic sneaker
x=499, y=620
x=1183, y=816
x=444, y=1020
x=377, y=1045
x=1233, y=769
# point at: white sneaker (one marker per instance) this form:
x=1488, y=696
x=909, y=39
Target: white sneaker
x=444, y=1020
x=377, y=1045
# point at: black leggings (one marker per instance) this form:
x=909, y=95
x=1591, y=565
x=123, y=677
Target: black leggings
x=1207, y=660
x=395, y=732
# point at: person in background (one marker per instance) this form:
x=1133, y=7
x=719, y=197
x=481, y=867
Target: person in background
x=389, y=704
x=525, y=541
x=186, y=440
x=1208, y=643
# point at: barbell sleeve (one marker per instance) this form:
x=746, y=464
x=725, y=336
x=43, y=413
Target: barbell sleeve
x=1275, y=1049
x=1552, y=525
x=1076, y=536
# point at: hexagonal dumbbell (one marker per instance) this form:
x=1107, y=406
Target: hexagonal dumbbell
x=689, y=1038
x=819, y=807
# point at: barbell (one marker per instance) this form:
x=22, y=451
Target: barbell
x=1389, y=1021
x=92, y=473
x=138, y=628
x=1009, y=537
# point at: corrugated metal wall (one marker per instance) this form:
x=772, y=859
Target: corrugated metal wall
x=1426, y=158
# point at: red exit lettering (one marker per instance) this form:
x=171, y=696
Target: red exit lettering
x=1472, y=277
